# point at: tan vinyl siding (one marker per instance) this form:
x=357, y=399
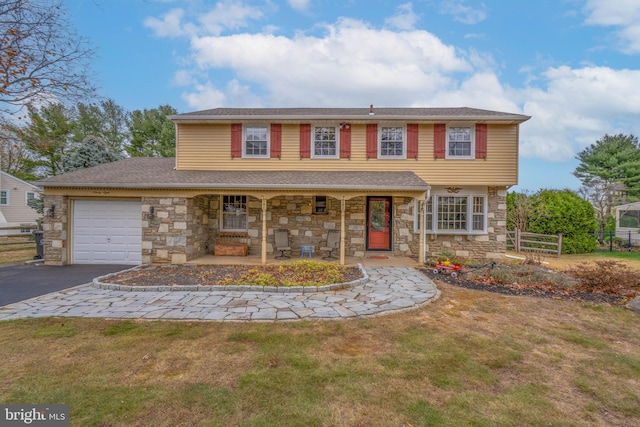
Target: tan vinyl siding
x=207, y=147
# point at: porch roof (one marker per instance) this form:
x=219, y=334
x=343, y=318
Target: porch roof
x=156, y=173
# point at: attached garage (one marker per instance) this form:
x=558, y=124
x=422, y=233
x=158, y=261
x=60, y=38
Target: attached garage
x=106, y=232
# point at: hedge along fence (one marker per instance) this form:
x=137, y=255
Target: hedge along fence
x=522, y=241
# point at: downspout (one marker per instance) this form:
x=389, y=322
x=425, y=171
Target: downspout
x=422, y=229
x=342, y=230
x=264, y=230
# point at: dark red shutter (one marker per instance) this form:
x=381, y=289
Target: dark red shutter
x=305, y=141
x=481, y=141
x=276, y=141
x=412, y=141
x=372, y=141
x=439, y=140
x=345, y=141
x=236, y=140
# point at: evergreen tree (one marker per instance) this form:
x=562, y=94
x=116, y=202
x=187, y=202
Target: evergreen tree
x=152, y=133
x=610, y=173
x=46, y=137
x=90, y=152
x=105, y=120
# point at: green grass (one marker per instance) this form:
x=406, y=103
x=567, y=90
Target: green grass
x=622, y=255
x=471, y=358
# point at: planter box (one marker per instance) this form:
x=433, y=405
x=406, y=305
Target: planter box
x=231, y=249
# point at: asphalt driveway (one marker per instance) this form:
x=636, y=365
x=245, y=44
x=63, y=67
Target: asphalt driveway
x=19, y=282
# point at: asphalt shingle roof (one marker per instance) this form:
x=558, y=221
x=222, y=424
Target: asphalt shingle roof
x=142, y=172
x=352, y=114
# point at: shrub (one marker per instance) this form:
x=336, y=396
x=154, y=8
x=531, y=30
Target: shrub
x=563, y=211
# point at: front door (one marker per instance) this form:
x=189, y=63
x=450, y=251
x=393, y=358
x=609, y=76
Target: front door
x=379, y=223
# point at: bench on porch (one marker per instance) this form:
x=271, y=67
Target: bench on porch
x=231, y=244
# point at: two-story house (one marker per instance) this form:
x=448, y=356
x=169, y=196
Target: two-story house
x=413, y=182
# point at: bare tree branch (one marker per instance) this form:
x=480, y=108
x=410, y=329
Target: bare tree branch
x=41, y=58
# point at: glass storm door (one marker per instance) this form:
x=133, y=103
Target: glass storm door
x=379, y=223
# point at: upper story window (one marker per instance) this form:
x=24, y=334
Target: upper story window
x=256, y=141
x=4, y=197
x=392, y=142
x=325, y=142
x=460, y=142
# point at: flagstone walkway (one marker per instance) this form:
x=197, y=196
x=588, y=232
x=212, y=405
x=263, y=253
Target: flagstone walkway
x=387, y=290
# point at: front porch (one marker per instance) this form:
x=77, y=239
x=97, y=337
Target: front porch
x=181, y=230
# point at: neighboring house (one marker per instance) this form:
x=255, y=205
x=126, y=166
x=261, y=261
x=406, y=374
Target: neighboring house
x=14, y=197
x=628, y=223
x=413, y=182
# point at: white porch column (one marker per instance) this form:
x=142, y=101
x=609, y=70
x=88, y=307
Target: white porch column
x=421, y=230
x=264, y=230
x=343, y=232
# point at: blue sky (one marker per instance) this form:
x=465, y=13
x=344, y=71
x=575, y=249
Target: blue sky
x=573, y=65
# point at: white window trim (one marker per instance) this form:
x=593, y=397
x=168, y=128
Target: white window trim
x=472, y=153
x=313, y=141
x=469, y=230
x=222, y=213
x=404, y=142
x=244, y=142
x=6, y=197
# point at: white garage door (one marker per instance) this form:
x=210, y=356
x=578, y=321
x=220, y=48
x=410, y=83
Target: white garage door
x=106, y=232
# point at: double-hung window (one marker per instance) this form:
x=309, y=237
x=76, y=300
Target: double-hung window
x=456, y=214
x=4, y=197
x=460, y=142
x=325, y=142
x=256, y=141
x=392, y=142
x=234, y=213
x=30, y=196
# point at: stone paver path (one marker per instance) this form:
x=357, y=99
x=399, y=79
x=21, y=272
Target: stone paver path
x=388, y=289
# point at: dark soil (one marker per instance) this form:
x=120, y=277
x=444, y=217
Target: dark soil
x=201, y=275
x=541, y=290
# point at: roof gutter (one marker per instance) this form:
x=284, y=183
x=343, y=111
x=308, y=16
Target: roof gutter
x=515, y=118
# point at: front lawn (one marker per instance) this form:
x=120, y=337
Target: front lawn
x=470, y=358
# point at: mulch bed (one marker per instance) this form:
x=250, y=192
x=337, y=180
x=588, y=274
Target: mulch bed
x=540, y=290
x=200, y=275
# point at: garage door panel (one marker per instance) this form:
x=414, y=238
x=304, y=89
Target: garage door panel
x=107, y=232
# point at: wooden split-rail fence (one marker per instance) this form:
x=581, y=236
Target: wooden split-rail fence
x=522, y=241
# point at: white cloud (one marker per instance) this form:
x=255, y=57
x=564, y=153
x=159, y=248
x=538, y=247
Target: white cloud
x=404, y=19
x=576, y=107
x=624, y=14
x=169, y=26
x=463, y=13
x=351, y=61
x=225, y=15
x=300, y=5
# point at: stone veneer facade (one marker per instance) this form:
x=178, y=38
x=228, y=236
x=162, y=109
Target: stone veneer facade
x=184, y=228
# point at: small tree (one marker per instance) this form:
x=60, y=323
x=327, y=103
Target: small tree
x=520, y=211
x=563, y=211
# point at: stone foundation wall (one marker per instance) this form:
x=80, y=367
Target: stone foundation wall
x=405, y=241
x=55, y=231
x=484, y=246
